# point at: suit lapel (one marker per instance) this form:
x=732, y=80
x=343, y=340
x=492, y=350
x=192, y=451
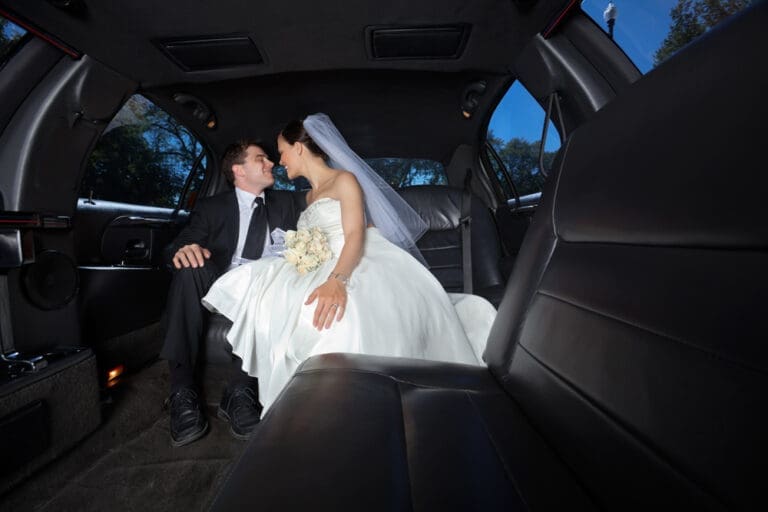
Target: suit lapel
x=233, y=223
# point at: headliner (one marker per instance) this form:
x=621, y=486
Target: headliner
x=302, y=35
x=315, y=60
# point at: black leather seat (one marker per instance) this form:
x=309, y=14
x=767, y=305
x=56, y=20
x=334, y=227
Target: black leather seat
x=628, y=362
x=441, y=245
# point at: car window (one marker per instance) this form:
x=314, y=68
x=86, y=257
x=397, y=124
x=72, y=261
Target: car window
x=283, y=183
x=514, y=137
x=398, y=172
x=651, y=32
x=10, y=37
x=406, y=172
x=145, y=157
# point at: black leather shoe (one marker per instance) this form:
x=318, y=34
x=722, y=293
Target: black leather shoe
x=188, y=422
x=241, y=409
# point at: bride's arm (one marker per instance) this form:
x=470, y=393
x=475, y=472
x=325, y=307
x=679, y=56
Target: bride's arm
x=332, y=295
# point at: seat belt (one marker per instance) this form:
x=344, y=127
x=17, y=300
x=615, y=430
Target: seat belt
x=466, y=231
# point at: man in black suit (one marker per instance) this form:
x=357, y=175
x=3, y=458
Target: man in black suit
x=223, y=231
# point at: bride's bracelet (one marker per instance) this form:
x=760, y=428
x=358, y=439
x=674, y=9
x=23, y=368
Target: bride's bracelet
x=339, y=277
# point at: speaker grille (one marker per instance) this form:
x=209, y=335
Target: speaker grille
x=211, y=52
x=52, y=281
x=404, y=43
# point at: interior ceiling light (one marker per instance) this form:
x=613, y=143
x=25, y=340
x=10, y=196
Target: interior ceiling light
x=72, y=6
x=200, y=110
x=470, y=98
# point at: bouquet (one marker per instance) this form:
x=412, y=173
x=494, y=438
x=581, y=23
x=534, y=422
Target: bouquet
x=306, y=249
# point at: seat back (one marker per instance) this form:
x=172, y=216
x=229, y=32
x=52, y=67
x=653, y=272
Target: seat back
x=633, y=332
x=441, y=245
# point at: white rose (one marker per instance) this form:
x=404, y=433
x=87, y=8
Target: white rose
x=291, y=257
x=316, y=247
x=290, y=236
x=310, y=261
x=300, y=247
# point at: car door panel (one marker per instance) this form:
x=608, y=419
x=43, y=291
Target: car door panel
x=124, y=282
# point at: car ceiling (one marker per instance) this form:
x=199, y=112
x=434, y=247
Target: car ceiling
x=315, y=59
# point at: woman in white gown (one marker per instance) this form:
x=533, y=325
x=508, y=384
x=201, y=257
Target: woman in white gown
x=371, y=297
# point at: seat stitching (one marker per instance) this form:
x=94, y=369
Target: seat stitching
x=397, y=379
x=659, y=334
x=405, y=438
x=621, y=427
x=496, y=450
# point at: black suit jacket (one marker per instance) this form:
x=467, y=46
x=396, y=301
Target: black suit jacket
x=215, y=222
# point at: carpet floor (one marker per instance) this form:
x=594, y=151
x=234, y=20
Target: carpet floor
x=128, y=463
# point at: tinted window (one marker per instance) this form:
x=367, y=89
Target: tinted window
x=650, y=32
x=515, y=134
x=283, y=183
x=10, y=35
x=144, y=157
x=405, y=172
x=398, y=172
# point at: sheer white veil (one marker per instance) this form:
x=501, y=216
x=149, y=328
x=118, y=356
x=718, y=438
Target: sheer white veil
x=397, y=221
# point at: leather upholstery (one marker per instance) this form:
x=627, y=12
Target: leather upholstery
x=366, y=433
x=440, y=207
x=628, y=360
x=635, y=342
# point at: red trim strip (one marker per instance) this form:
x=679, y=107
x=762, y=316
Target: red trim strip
x=29, y=27
x=19, y=221
x=553, y=24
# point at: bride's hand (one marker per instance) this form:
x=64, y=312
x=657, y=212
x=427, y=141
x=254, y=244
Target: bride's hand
x=331, y=299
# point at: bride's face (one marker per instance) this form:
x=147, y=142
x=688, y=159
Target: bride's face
x=289, y=158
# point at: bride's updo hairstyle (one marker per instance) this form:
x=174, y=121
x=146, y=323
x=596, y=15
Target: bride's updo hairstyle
x=294, y=132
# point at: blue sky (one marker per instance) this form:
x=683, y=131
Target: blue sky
x=641, y=26
x=12, y=30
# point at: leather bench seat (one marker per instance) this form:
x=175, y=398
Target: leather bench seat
x=415, y=435
x=440, y=207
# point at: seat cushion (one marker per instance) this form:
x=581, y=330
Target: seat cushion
x=355, y=432
x=441, y=246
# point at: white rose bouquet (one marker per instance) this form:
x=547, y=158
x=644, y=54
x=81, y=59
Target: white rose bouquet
x=306, y=249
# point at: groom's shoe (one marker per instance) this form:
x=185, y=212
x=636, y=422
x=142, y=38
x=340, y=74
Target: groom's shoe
x=188, y=422
x=241, y=409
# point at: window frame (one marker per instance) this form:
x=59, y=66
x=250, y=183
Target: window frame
x=197, y=166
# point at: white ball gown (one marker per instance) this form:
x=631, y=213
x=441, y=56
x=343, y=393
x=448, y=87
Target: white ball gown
x=395, y=307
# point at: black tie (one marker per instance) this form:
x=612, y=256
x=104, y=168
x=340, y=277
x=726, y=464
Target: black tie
x=254, y=241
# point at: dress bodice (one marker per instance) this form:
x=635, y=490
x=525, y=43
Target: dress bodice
x=324, y=213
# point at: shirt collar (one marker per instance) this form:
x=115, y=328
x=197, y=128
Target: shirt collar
x=245, y=199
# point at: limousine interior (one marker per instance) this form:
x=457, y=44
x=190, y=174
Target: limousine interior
x=627, y=365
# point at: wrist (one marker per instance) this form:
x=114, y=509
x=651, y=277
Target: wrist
x=338, y=276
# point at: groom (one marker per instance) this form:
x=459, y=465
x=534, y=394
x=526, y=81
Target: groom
x=223, y=231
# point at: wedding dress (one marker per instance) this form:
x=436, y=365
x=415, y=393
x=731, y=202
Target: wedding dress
x=395, y=307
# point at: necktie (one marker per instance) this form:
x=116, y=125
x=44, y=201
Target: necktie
x=254, y=241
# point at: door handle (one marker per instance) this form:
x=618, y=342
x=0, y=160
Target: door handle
x=135, y=250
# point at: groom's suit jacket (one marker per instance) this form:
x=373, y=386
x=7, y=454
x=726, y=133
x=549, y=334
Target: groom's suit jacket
x=215, y=222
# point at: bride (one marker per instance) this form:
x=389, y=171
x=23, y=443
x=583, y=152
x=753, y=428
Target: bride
x=372, y=296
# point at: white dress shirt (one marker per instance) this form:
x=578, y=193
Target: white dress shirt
x=245, y=206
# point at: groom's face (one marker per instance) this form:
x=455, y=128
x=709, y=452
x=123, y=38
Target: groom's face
x=255, y=173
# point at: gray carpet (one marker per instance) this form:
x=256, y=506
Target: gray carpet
x=128, y=463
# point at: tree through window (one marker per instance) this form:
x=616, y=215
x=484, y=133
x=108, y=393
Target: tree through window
x=143, y=157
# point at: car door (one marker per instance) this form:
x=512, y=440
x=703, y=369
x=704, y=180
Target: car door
x=140, y=181
x=512, y=158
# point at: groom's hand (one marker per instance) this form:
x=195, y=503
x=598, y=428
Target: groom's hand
x=191, y=255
